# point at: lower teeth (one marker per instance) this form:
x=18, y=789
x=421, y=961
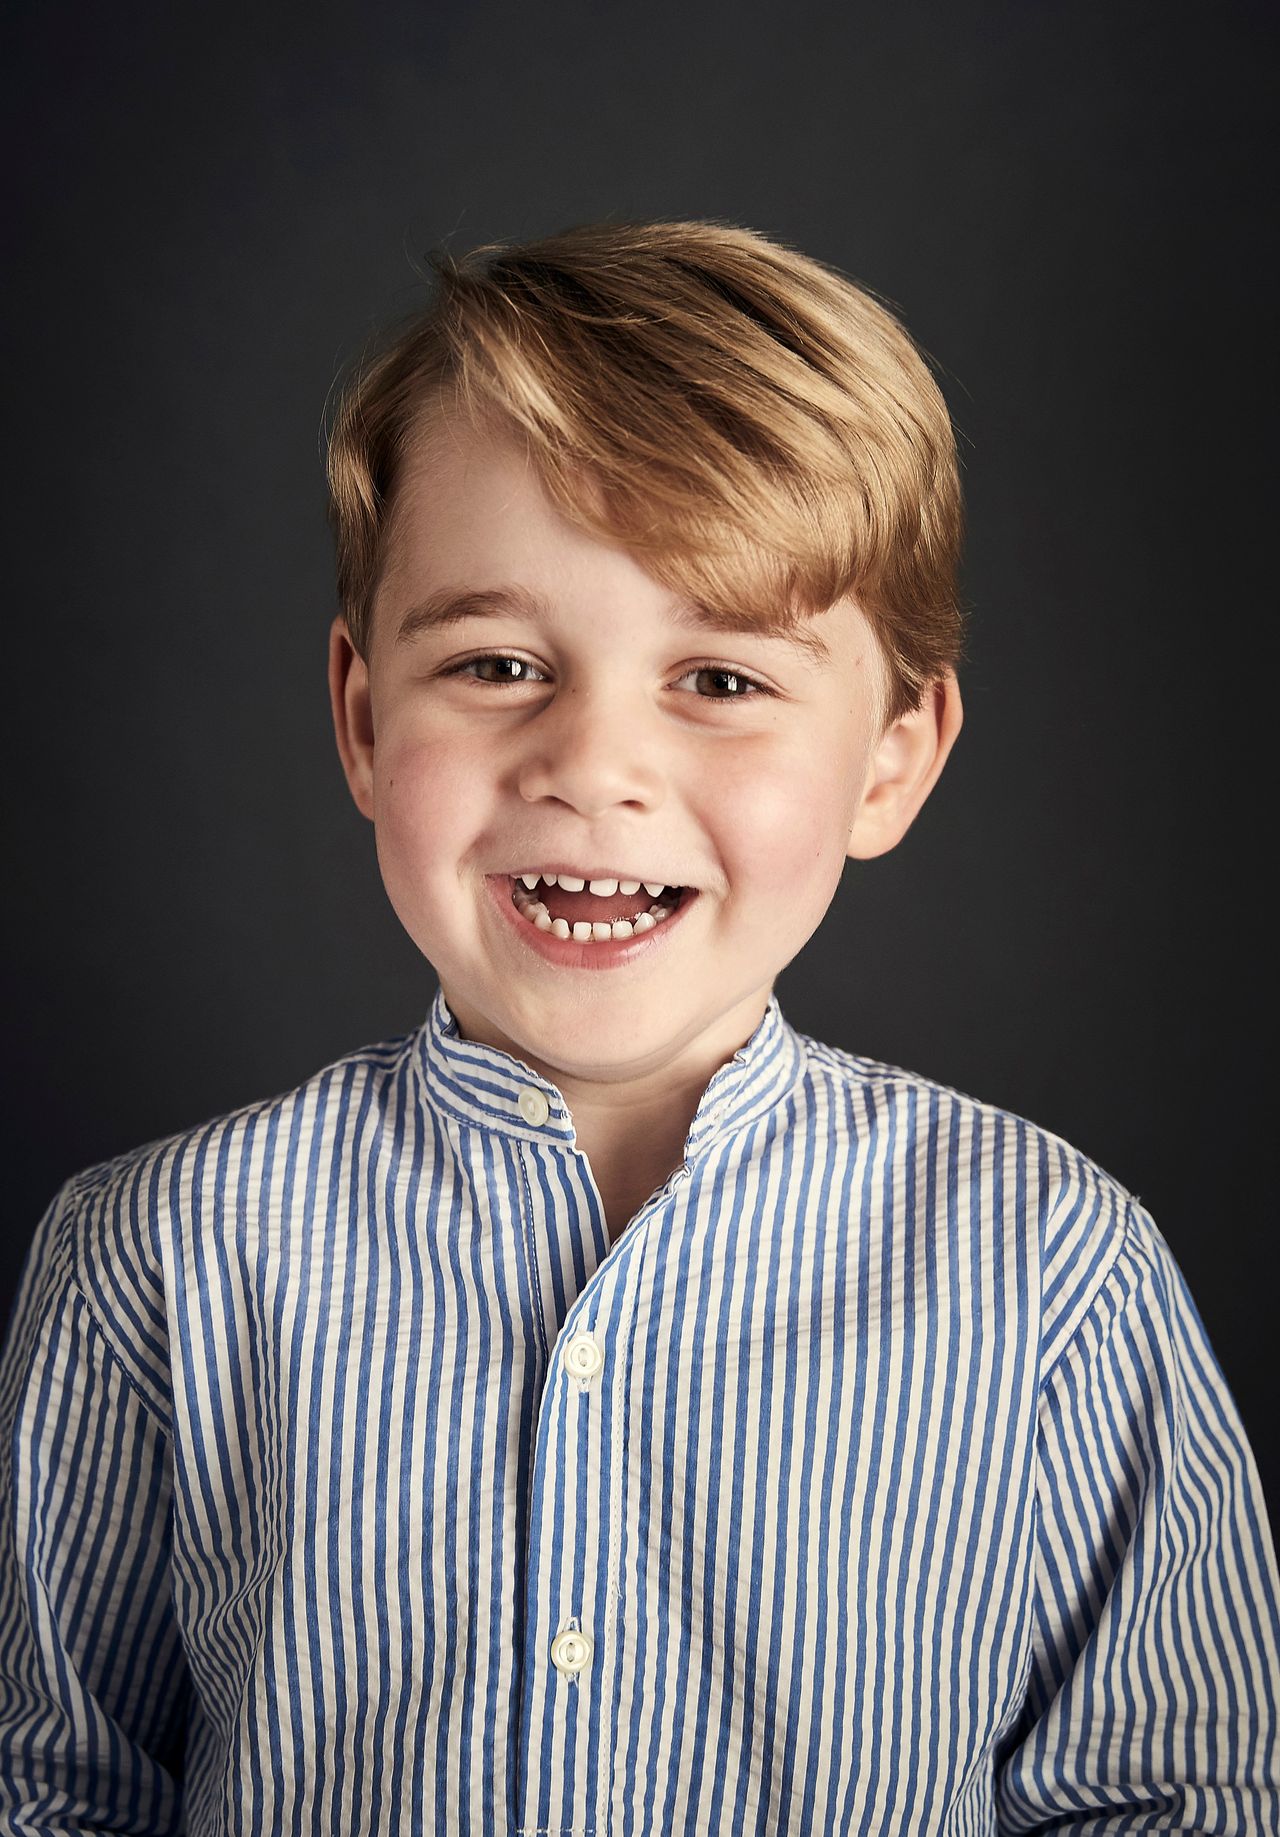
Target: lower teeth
x=599, y=931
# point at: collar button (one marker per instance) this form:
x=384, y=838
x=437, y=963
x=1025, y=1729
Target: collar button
x=533, y=1105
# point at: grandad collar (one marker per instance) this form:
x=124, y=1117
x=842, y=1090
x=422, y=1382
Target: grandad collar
x=492, y=1089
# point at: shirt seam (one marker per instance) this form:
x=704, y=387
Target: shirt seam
x=530, y=1254
x=618, y=1530
x=78, y=1284
x=1126, y=1241
x=1029, y=1661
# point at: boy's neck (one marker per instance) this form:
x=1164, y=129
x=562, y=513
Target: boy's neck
x=633, y=1133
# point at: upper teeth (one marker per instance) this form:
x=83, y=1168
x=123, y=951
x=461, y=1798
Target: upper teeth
x=572, y=884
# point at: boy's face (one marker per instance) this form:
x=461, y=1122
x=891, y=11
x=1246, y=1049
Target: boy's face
x=607, y=750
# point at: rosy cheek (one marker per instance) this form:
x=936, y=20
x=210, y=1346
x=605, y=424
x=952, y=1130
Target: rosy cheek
x=421, y=792
x=776, y=825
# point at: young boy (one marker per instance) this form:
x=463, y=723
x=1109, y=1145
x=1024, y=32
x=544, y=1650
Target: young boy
x=606, y=1409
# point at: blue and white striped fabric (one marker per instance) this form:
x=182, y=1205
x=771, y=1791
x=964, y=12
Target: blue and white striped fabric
x=881, y=1468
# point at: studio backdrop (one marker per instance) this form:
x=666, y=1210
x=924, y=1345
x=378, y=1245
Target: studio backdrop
x=210, y=210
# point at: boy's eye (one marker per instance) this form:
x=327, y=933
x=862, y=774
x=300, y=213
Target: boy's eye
x=470, y=663
x=743, y=687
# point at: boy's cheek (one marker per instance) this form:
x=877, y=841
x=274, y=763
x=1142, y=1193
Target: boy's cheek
x=418, y=782
x=429, y=824
x=782, y=834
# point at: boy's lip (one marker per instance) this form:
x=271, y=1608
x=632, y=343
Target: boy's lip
x=568, y=952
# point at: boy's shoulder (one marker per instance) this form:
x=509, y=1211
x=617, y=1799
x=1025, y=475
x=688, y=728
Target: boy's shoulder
x=931, y=1103
x=1075, y=1220
x=360, y=1075
x=119, y=1226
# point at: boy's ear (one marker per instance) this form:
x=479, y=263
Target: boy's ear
x=352, y=714
x=903, y=769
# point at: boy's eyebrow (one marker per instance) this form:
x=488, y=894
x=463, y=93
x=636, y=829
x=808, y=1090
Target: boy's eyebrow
x=450, y=606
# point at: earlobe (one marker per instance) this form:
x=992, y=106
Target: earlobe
x=352, y=707
x=904, y=768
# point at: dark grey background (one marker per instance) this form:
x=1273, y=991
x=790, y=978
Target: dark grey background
x=210, y=210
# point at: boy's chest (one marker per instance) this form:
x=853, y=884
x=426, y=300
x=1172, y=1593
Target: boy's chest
x=779, y=1496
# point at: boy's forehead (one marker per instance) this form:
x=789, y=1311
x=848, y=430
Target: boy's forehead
x=461, y=484
x=462, y=481
x=476, y=467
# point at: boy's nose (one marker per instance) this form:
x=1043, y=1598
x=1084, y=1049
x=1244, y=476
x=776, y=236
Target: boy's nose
x=591, y=752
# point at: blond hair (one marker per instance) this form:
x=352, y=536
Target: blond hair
x=759, y=432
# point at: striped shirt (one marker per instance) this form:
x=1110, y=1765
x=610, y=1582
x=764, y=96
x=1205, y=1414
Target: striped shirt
x=878, y=1478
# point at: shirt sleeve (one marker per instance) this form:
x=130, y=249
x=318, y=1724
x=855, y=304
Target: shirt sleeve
x=93, y=1687
x=1155, y=1665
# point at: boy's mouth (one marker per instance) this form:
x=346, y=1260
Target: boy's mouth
x=577, y=906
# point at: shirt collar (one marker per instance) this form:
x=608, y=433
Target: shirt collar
x=484, y=1086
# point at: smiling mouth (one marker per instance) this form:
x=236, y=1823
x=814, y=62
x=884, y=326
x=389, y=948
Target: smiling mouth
x=595, y=917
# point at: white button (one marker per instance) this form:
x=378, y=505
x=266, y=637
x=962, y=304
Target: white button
x=533, y=1105
x=582, y=1356
x=570, y=1652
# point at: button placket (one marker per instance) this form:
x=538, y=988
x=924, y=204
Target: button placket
x=573, y=1531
